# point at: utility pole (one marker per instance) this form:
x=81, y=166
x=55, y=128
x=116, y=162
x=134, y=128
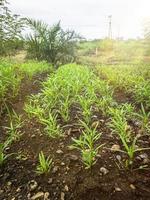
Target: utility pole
x=110, y=27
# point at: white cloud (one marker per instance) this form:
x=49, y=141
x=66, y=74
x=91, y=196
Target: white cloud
x=89, y=17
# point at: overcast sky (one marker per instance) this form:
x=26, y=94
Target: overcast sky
x=89, y=17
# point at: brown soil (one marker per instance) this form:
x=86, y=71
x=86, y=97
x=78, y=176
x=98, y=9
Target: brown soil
x=69, y=179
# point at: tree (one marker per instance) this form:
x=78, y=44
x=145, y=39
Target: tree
x=52, y=44
x=11, y=26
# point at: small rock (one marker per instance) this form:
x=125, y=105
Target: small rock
x=18, y=189
x=101, y=120
x=46, y=195
x=136, y=123
x=54, y=193
x=117, y=189
x=37, y=195
x=73, y=157
x=7, y=148
x=69, y=131
x=33, y=136
x=94, y=117
x=67, y=168
x=55, y=169
x=62, y=196
x=115, y=147
x=32, y=185
x=118, y=157
x=62, y=163
x=1, y=192
x=13, y=198
x=59, y=151
x=66, y=188
x=104, y=170
x=29, y=195
x=50, y=180
x=132, y=187
x=143, y=156
x=146, y=161
x=9, y=183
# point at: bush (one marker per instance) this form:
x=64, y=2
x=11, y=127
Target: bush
x=52, y=44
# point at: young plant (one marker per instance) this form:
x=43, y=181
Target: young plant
x=141, y=92
x=33, y=108
x=15, y=125
x=13, y=132
x=104, y=103
x=119, y=123
x=45, y=164
x=64, y=107
x=144, y=118
x=3, y=156
x=86, y=144
x=120, y=127
x=51, y=127
x=86, y=105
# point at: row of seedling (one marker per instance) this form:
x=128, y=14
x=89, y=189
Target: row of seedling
x=88, y=144
x=134, y=80
x=11, y=76
x=119, y=124
x=13, y=133
x=71, y=84
x=89, y=141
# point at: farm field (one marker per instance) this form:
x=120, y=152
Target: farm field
x=74, y=133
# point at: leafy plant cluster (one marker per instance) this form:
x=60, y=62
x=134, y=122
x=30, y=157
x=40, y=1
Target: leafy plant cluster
x=11, y=76
x=70, y=85
x=134, y=80
x=78, y=85
x=86, y=144
x=119, y=124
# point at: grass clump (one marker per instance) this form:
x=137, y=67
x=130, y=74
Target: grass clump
x=45, y=164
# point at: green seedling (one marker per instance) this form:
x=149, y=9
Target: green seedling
x=86, y=105
x=120, y=127
x=16, y=124
x=45, y=164
x=51, y=127
x=86, y=144
x=33, y=110
x=13, y=133
x=64, y=107
x=104, y=103
x=3, y=155
x=144, y=118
